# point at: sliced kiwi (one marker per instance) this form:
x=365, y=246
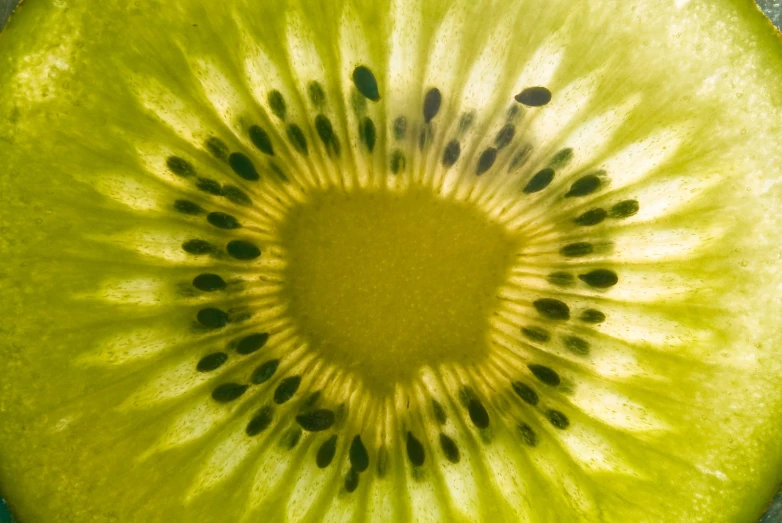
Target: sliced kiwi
x=390, y=261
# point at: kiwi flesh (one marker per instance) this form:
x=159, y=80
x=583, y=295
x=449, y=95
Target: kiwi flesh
x=390, y=261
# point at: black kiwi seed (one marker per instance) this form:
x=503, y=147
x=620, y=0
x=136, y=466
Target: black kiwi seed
x=561, y=158
x=536, y=334
x=552, y=309
x=209, y=186
x=415, y=450
x=180, y=166
x=540, y=181
x=624, y=209
x=277, y=104
x=599, y=278
x=450, y=449
x=451, y=153
x=584, y=186
x=286, y=389
x=558, y=419
x=359, y=457
x=261, y=140
x=326, y=133
x=217, y=148
x=264, y=372
x=527, y=434
x=575, y=250
x=188, y=207
x=561, y=279
x=252, y=343
x=591, y=217
x=326, y=452
x=505, y=136
x=466, y=121
x=212, y=318
x=592, y=316
x=366, y=83
x=576, y=345
x=242, y=250
x=368, y=133
x=222, y=220
x=478, y=414
x=297, y=139
x=397, y=162
x=198, y=247
x=432, y=102
x=209, y=282
x=316, y=420
x=260, y=421
x=525, y=392
x=351, y=480
x=534, y=96
x=439, y=412
x=545, y=374
x=226, y=392
x=211, y=362
x=400, y=127
x=316, y=93
x=236, y=195
x=243, y=167
x=486, y=160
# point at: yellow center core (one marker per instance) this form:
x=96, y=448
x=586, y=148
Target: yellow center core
x=384, y=283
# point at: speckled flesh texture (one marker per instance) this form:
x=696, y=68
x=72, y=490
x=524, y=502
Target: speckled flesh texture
x=390, y=261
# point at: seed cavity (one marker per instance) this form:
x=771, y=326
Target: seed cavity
x=359, y=457
x=326, y=452
x=243, y=167
x=534, y=96
x=264, y=372
x=351, y=480
x=260, y=421
x=188, y=207
x=624, y=209
x=536, y=334
x=368, y=133
x=366, y=83
x=297, y=139
x=400, y=127
x=316, y=420
x=180, y=166
x=486, y=160
x=585, y=186
x=227, y=392
x=212, y=318
x=252, y=343
x=286, y=389
x=291, y=438
x=450, y=449
x=552, y=309
x=415, y=450
x=558, y=419
x=198, y=247
x=211, y=362
x=439, y=412
x=525, y=392
x=242, y=250
x=478, y=414
x=451, y=153
x=545, y=374
x=527, y=434
x=561, y=158
x=540, y=181
x=576, y=345
x=236, y=195
x=520, y=158
x=432, y=102
x=326, y=133
x=576, y=250
x=397, y=162
x=261, y=140
x=591, y=217
x=600, y=278
x=217, y=148
x=592, y=316
x=561, y=279
x=316, y=93
x=277, y=104
x=208, y=282
x=505, y=136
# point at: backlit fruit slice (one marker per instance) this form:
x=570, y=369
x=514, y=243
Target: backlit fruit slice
x=361, y=261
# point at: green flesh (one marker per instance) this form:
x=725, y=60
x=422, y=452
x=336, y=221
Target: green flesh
x=347, y=261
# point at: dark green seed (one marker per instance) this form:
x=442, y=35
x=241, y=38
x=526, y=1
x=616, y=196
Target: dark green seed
x=527, y=434
x=209, y=282
x=277, y=104
x=624, y=209
x=439, y=412
x=599, y=278
x=451, y=153
x=400, y=127
x=450, y=449
x=359, y=457
x=198, y=247
x=536, y=334
x=368, y=133
x=545, y=374
x=525, y=392
x=575, y=250
x=217, y=148
x=561, y=158
x=211, y=362
x=366, y=83
x=316, y=420
x=382, y=462
x=316, y=93
x=486, y=160
x=577, y=345
x=415, y=450
x=209, y=186
x=534, y=96
x=584, y=186
x=212, y=318
x=592, y=316
x=351, y=480
x=552, y=309
x=326, y=133
x=297, y=138
x=243, y=166
x=242, y=250
x=180, y=166
x=326, y=452
x=261, y=140
x=188, y=207
x=252, y=343
x=265, y=371
x=561, y=279
x=236, y=195
x=222, y=220
x=520, y=158
x=291, y=438
x=478, y=414
x=228, y=392
x=432, y=102
x=466, y=121
x=261, y=421
x=558, y=419
x=286, y=389
x=591, y=217
x=540, y=181
x=397, y=162
x=505, y=136
x=278, y=172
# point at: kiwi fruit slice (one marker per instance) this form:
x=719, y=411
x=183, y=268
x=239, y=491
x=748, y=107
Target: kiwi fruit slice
x=390, y=261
